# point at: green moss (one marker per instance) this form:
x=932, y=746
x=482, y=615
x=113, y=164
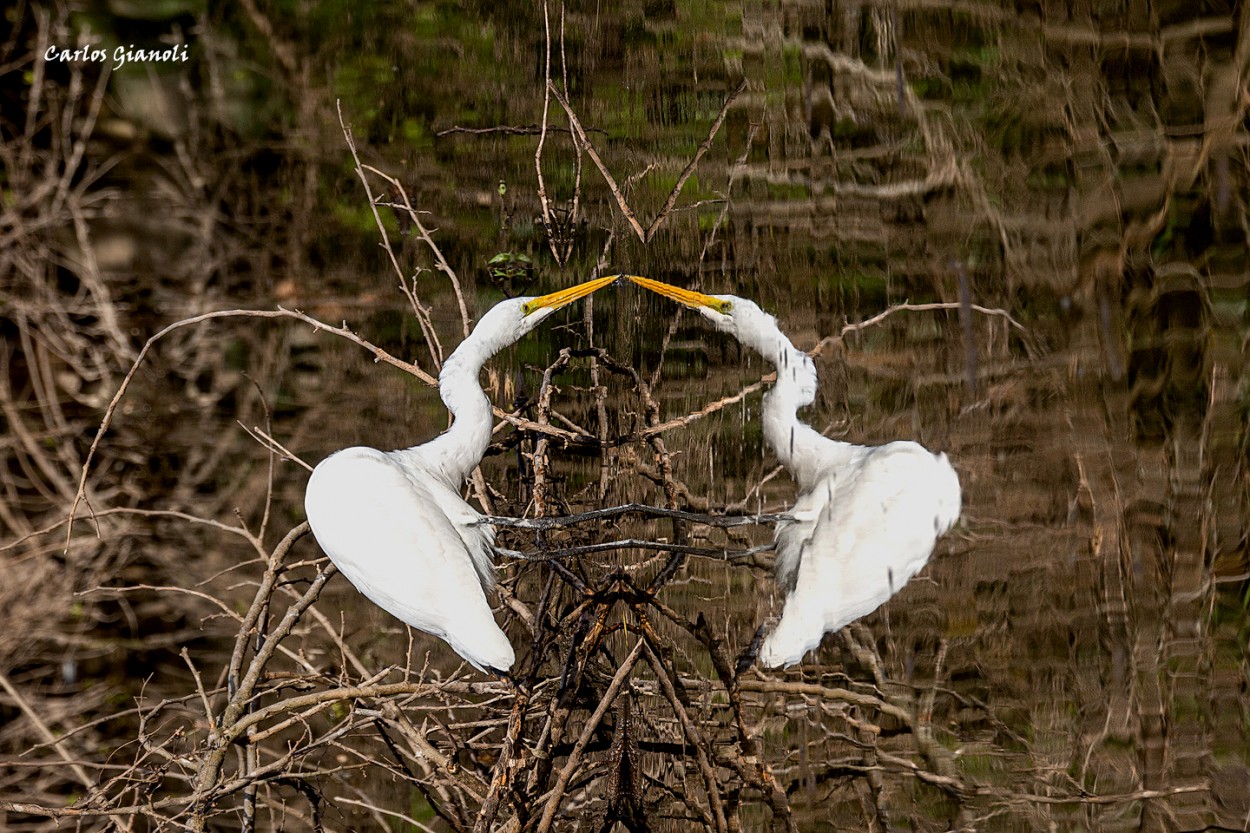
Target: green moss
x=358, y=216
x=1052, y=176
x=419, y=810
x=415, y=134
x=931, y=89
x=867, y=287
x=792, y=63
x=783, y=191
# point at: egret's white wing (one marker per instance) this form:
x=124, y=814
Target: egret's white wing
x=478, y=538
x=792, y=538
x=829, y=469
x=389, y=535
x=880, y=531
x=861, y=534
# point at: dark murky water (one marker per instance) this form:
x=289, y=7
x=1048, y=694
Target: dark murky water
x=1073, y=657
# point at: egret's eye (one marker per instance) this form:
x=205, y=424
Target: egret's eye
x=724, y=307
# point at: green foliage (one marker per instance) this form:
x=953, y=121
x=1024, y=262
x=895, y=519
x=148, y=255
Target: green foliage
x=511, y=272
x=859, y=287
x=156, y=10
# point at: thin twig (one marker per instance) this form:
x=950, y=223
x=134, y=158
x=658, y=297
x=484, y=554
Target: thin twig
x=422, y=313
x=626, y=211
x=619, y=679
x=718, y=553
x=556, y=522
x=694, y=162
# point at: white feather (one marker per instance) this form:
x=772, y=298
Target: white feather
x=878, y=520
x=867, y=517
x=394, y=522
x=391, y=536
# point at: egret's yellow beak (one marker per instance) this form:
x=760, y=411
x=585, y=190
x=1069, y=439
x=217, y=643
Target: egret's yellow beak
x=564, y=297
x=689, y=297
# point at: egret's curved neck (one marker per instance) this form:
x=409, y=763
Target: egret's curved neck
x=804, y=452
x=457, y=451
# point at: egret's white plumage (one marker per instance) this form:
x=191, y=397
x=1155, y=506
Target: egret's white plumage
x=867, y=517
x=394, y=522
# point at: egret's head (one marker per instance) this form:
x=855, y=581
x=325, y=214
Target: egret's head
x=502, y=325
x=536, y=309
x=739, y=317
x=722, y=310
x=515, y=317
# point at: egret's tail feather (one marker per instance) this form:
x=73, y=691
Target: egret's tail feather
x=488, y=650
x=792, y=638
x=503, y=675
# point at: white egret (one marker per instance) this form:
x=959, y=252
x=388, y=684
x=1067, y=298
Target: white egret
x=394, y=523
x=867, y=517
